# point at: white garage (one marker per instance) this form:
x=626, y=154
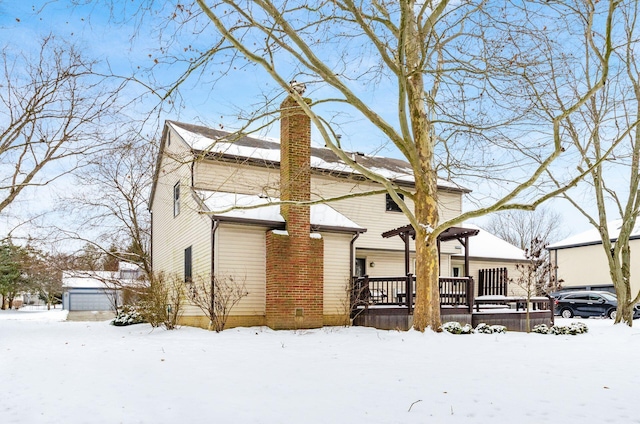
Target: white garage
x=89, y=300
x=90, y=290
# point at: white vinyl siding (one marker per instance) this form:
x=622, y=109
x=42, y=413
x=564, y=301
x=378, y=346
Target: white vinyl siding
x=386, y=263
x=368, y=211
x=336, y=273
x=233, y=178
x=588, y=266
x=173, y=234
x=241, y=253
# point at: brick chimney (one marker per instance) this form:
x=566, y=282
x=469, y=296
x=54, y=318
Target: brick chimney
x=295, y=261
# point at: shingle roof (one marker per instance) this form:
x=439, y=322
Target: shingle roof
x=224, y=144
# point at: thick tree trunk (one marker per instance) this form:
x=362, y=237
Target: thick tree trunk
x=427, y=310
x=624, y=312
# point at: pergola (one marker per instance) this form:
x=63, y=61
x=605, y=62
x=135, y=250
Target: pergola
x=452, y=233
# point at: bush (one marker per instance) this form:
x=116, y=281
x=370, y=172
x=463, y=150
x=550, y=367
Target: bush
x=571, y=329
x=161, y=303
x=127, y=315
x=216, y=297
x=490, y=329
x=454, y=327
x=541, y=329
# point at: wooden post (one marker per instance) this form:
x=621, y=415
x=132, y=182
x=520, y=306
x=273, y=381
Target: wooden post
x=405, y=237
x=466, y=256
x=366, y=293
x=409, y=291
x=470, y=294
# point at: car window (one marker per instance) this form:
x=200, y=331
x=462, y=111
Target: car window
x=609, y=296
x=595, y=297
x=576, y=297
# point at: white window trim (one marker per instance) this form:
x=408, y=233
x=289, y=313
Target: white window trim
x=176, y=199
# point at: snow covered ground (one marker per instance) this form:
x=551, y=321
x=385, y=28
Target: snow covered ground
x=53, y=371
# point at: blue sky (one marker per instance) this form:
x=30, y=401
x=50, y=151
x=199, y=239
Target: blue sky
x=203, y=101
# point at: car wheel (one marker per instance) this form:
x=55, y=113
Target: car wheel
x=566, y=313
x=612, y=314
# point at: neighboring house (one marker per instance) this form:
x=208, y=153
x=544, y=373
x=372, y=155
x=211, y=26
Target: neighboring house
x=580, y=261
x=97, y=290
x=205, y=222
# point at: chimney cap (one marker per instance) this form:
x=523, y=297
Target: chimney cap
x=298, y=87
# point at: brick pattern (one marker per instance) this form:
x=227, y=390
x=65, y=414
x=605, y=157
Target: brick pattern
x=295, y=262
x=295, y=165
x=294, y=297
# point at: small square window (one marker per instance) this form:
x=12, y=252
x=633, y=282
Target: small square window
x=176, y=199
x=392, y=206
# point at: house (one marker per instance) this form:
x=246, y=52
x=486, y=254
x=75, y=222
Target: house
x=580, y=261
x=225, y=205
x=97, y=290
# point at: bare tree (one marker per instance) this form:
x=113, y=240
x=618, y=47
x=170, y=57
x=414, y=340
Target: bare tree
x=216, y=297
x=110, y=212
x=521, y=227
x=534, y=274
x=605, y=136
x=465, y=77
x=56, y=109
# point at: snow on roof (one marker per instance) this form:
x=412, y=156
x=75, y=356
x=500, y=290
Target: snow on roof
x=592, y=236
x=209, y=140
x=88, y=279
x=263, y=210
x=487, y=245
x=98, y=279
x=127, y=266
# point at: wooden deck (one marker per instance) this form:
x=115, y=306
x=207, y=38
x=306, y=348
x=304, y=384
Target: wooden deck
x=387, y=303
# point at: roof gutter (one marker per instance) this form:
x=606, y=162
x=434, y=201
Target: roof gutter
x=352, y=255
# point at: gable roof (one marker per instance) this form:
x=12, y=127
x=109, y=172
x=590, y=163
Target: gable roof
x=263, y=211
x=265, y=152
x=592, y=236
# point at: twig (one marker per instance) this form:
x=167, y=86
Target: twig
x=419, y=400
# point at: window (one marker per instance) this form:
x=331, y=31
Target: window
x=581, y=297
x=361, y=264
x=392, y=206
x=456, y=271
x=188, y=276
x=176, y=199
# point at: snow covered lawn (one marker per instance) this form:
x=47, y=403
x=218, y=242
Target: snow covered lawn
x=91, y=372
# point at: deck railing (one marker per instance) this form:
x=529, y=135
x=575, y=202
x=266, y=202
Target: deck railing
x=400, y=291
